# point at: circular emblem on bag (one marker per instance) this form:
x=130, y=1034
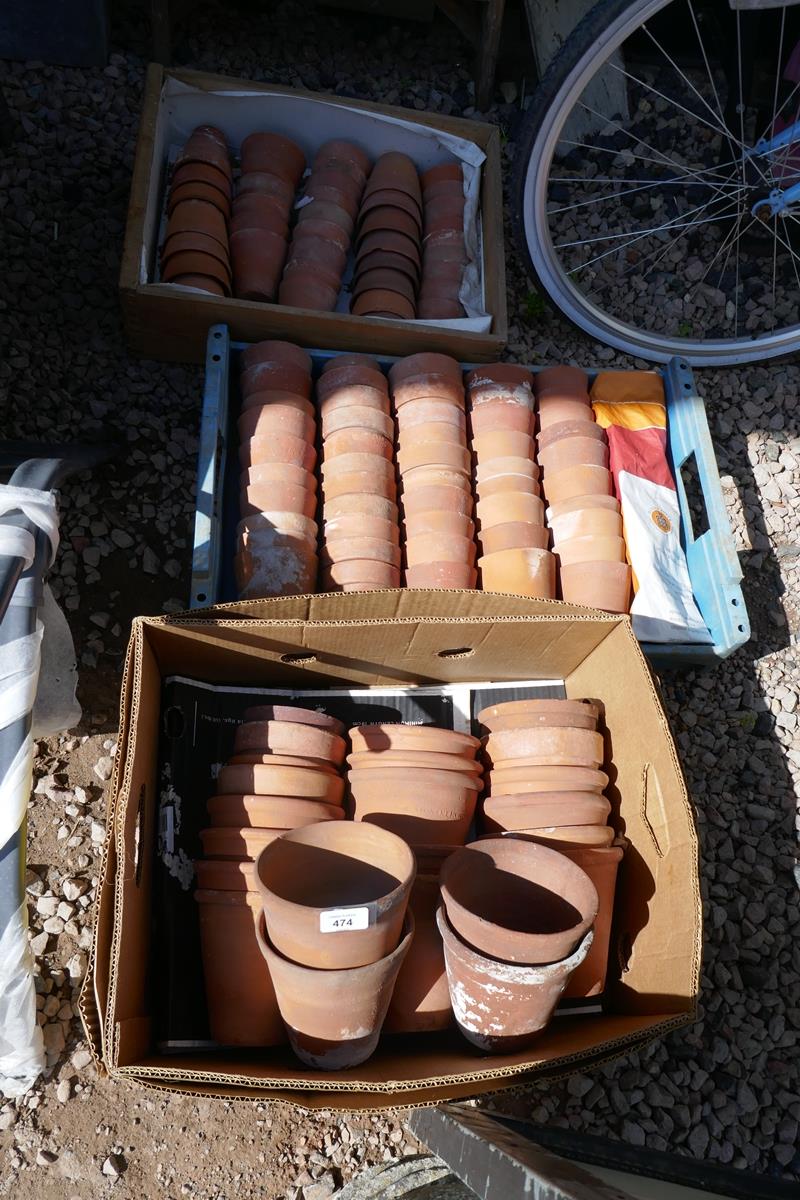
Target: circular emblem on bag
x=661, y=520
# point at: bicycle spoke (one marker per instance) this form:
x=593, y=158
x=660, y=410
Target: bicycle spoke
x=630, y=191
x=636, y=234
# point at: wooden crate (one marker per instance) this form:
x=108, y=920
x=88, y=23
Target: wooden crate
x=163, y=323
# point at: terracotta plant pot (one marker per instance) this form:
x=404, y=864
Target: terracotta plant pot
x=532, y=810
x=422, y=806
x=290, y=737
x=368, y=573
x=577, y=481
x=534, y=777
x=421, y=999
x=438, y=548
x=194, y=263
x=576, y=747
x=555, y=836
x=601, y=865
x=514, y=535
x=195, y=243
x=520, y=901
x=199, y=191
x=258, y=258
x=509, y=506
x=431, y=412
x=277, y=419
x=354, y=525
x=321, y=210
x=516, y=714
x=428, y=738
x=522, y=572
x=303, y=289
x=226, y=875
x=586, y=522
x=270, y=497
x=308, y=876
x=269, y=812
x=278, y=474
x=278, y=448
x=195, y=216
x=592, y=548
x=355, y=461
x=556, y=410
x=264, y=780
x=270, y=397
x=242, y=1009
x=268, y=563
x=602, y=585
x=292, y=712
x=255, y=757
x=499, y=484
x=359, y=482
x=245, y=843
x=427, y=387
x=438, y=498
x=449, y=455
x=346, y=153
x=429, y=476
x=572, y=452
x=206, y=145
x=441, y=575
x=501, y=417
x=499, y=1007
x=357, y=416
x=344, y=549
x=585, y=427
x=271, y=152
x=322, y=1009
x=503, y=444
x=579, y=503
x=568, y=379
x=201, y=282
x=357, y=441
x=425, y=363
x=359, y=502
x=375, y=760
x=448, y=523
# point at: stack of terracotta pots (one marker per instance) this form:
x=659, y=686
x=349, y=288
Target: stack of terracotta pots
x=361, y=539
x=326, y=218
x=276, y=539
x=554, y=796
x=583, y=514
x=434, y=465
x=195, y=251
x=513, y=538
x=444, y=253
x=272, y=167
x=334, y=933
x=516, y=921
x=388, y=246
x=418, y=781
x=285, y=772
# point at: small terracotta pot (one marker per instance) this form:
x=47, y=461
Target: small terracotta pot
x=326, y=230
x=438, y=310
x=577, y=481
x=557, y=410
x=359, y=502
x=284, y=522
x=390, y=198
x=349, y=153
x=428, y=738
x=571, y=452
x=284, y=567
x=270, y=497
x=263, y=780
x=289, y=737
x=340, y=378
x=586, y=428
x=279, y=474
x=568, y=379
x=499, y=1007
x=368, y=571
x=258, y=259
x=226, y=875
x=389, y=260
x=448, y=455
x=530, y=810
x=514, y=535
x=522, y=572
x=601, y=865
x=245, y=843
x=422, y=806
x=383, y=280
x=502, y=373
x=431, y=412
x=199, y=191
x=375, y=760
x=441, y=575
x=356, y=525
x=202, y=282
x=550, y=743
x=271, y=152
x=354, y=462
x=311, y=275
x=292, y=712
x=280, y=760
x=197, y=172
x=269, y=812
x=395, y=170
x=386, y=242
x=593, y=548
x=304, y=289
x=262, y=539
x=195, y=216
x=509, y=506
x=421, y=999
x=424, y=364
x=264, y=183
x=339, y=177
x=309, y=871
x=194, y=263
x=427, y=387
x=345, y=549
x=586, y=522
x=517, y=900
x=578, y=714
x=379, y=303
x=498, y=484
x=269, y=196
x=276, y=351
x=555, y=836
x=276, y=418
x=352, y=440
x=312, y=251
x=322, y=210
x=444, y=187
x=495, y=468
x=322, y=1009
x=529, y=776
x=503, y=444
x=444, y=173
x=195, y=243
x=337, y=361
x=449, y=523
x=339, y=403
x=438, y=547
x=501, y=416
x=579, y=503
x=207, y=145
x=242, y=1009
x=413, y=479
x=603, y=585
x=278, y=448
x=437, y=498
x=268, y=220
x=321, y=193
x=267, y=396
x=358, y=417
x=366, y=482
x=390, y=217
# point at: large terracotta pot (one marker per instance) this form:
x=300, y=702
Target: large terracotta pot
x=308, y=872
x=413, y=737
x=269, y=812
x=424, y=807
x=421, y=999
x=586, y=522
x=229, y=843
x=547, y=744
x=605, y=585
x=531, y=776
x=592, y=548
x=290, y=737
x=334, y=1018
x=517, y=900
x=502, y=1007
x=555, y=836
x=523, y=571
x=242, y=1009
x=260, y=779
x=522, y=714
x=577, y=481
x=530, y=810
x=291, y=712
x=373, y=760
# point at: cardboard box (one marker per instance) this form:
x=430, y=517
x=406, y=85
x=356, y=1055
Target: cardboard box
x=167, y=322
x=383, y=638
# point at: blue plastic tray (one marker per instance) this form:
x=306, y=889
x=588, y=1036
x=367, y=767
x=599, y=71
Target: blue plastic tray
x=713, y=566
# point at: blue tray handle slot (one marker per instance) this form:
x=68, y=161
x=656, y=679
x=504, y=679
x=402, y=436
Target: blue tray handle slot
x=207, y=547
x=714, y=567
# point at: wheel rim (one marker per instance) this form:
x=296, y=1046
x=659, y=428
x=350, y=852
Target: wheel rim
x=732, y=194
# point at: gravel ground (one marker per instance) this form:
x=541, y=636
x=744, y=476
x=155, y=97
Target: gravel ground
x=724, y=1090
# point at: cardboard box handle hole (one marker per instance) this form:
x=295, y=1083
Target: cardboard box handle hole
x=298, y=660
x=458, y=652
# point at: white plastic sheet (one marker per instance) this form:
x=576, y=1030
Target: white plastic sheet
x=21, y=1043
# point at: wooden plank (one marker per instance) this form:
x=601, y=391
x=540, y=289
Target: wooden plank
x=488, y=49
x=164, y=324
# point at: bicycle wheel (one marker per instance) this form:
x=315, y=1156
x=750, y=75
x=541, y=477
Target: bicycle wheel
x=654, y=179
